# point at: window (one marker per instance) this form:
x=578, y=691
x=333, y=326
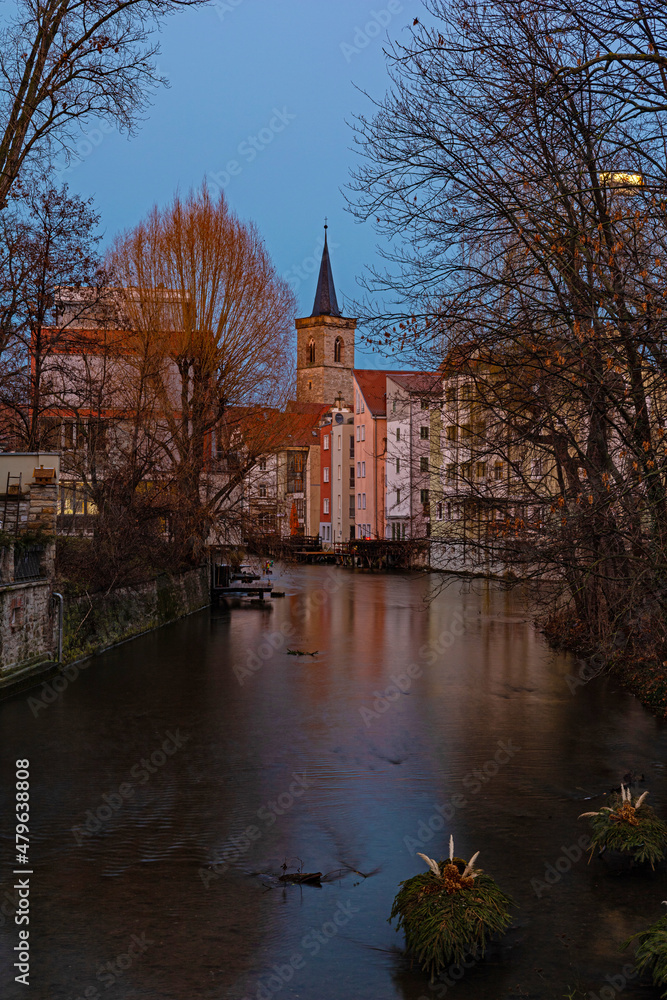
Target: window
x=338, y=349
x=451, y=395
x=339, y=473
x=325, y=505
x=467, y=392
x=438, y=512
x=452, y=432
x=325, y=472
x=68, y=434
x=363, y=501
x=450, y=472
x=351, y=477
x=423, y=464
x=358, y=433
x=351, y=507
x=423, y=433
x=325, y=442
x=363, y=429
x=295, y=472
x=466, y=469
x=398, y=465
x=536, y=470
x=466, y=431
x=424, y=404
x=310, y=385
x=398, y=433
x=351, y=445
x=423, y=496
x=359, y=501
x=403, y=531
x=358, y=403
x=398, y=496
x=358, y=470
x=262, y=465
x=363, y=470
x=393, y=410
x=262, y=491
x=480, y=470
x=310, y=352
x=498, y=470
x=363, y=408
x=340, y=438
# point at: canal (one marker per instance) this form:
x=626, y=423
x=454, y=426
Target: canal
x=178, y=773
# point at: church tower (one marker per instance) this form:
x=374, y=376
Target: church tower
x=325, y=345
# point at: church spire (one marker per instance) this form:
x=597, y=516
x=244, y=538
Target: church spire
x=325, y=296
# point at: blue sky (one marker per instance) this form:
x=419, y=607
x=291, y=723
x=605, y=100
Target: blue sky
x=260, y=93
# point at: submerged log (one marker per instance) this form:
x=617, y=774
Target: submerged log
x=303, y=878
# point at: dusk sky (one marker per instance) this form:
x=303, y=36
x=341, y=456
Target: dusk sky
x=270, y=88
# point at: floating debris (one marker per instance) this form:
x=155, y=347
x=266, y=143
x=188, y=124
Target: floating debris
x=301, y=652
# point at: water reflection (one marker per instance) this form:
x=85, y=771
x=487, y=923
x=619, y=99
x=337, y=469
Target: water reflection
x=188, y=862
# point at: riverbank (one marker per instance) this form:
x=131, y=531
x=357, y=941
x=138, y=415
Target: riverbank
x=643, y=676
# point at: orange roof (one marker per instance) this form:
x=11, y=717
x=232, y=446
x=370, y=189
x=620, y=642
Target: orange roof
x=418, y=381
x=373, y=385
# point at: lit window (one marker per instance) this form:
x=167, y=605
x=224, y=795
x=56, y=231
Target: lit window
x=326, y=474
x=423, y=433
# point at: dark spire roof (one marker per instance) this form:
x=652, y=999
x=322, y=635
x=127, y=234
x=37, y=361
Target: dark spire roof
x=325, y=296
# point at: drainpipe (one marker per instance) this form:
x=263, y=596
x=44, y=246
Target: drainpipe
x=60, y=599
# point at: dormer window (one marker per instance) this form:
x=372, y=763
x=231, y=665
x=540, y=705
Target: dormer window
x=338, y=349
x=310, y=351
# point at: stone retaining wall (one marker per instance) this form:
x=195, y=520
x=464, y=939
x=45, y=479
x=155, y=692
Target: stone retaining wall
x=95, y=622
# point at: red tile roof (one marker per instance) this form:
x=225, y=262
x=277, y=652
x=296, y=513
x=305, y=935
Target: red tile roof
x=373, y=385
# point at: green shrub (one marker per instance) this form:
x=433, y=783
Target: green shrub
x=630, y=827
x=651, y=954
x=449, y=912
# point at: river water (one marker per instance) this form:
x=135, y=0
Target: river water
x=158, y=880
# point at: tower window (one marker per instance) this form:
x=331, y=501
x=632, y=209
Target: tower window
x=338, y=349
x=310, y=350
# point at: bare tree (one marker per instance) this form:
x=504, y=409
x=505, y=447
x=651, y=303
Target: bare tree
x=202, y=297
x=63, y=62
x=535, y=263
x=48, y=240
